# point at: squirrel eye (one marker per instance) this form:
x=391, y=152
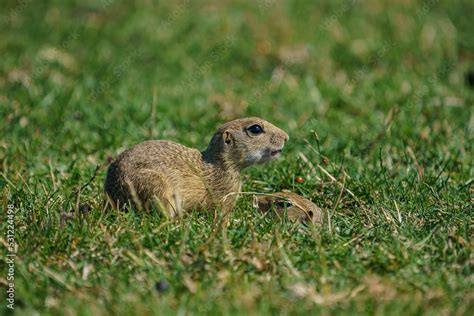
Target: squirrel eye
x=282, y=203
x=255, y=129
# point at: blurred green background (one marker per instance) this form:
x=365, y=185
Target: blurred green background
x=380, y=91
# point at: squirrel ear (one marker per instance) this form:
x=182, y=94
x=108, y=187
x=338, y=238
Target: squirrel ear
x=227, y=136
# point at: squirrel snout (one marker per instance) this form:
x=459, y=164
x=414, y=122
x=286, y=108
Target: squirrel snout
x=279, y=139
x=283, y=136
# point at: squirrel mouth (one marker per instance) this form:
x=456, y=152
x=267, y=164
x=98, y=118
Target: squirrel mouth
x=275, y=153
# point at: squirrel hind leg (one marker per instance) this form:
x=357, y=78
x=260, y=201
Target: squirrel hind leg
x=170, y=204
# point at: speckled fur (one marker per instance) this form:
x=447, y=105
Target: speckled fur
x=177, y=178
x=297, y=207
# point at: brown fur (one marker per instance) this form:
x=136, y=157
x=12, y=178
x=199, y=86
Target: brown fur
x=297, y=207
x=177, y=178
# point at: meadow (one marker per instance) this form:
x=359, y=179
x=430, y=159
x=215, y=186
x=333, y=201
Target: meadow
x=376, y=97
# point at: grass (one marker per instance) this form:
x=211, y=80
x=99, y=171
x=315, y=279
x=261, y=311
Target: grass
x=373, y=95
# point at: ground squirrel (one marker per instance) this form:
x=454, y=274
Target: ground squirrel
x=297, y=207
x=176, y=178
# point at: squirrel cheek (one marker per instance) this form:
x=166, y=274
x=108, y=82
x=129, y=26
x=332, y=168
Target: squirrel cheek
x=253, y=158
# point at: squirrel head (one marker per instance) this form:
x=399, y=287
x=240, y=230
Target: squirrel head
x=295, y=206
x=246, y=142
